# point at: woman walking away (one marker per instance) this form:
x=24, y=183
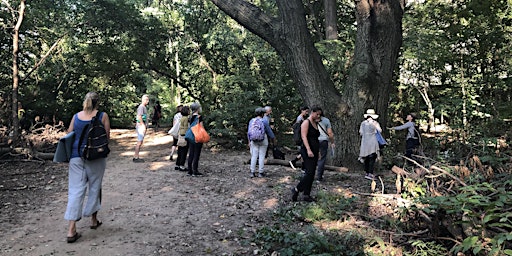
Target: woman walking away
x=182, y=150
x=84, y=174
x=194, y=148
x=369, y=150
x=175, y=122
x=258, y=134
x=309, y=150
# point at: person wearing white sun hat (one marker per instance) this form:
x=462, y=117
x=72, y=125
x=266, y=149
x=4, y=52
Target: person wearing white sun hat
x=369, y=150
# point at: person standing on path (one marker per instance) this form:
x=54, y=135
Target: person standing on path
x=411, y=139
x=304, y=111
x=84, y=174
x=326, y=136
x=268, y=119
x=194, y=148
x=182, y=150
x=309, y=151
x=369, y=150
x=175, y=121
x=157, y=114
x=259, y=148
x=141, y=126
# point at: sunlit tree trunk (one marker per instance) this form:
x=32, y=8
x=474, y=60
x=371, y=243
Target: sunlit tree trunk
x=15, y=70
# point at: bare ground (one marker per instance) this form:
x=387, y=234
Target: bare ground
x=149, y=208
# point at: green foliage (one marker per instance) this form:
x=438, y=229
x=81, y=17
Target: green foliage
x=311, y=241
x=422, y=248
x=283, y=237
x=329, y=206
x=481, y=207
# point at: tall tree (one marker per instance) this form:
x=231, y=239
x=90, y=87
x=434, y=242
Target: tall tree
x=331, y=27
x=15, y=68
x=379, y=37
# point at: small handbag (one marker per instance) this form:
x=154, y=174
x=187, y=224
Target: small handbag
x=182, y=142
x=200, y=134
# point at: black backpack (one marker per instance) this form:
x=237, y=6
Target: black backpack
x=96, y=144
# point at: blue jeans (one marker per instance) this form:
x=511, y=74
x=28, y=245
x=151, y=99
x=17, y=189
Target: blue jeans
x=258, y=151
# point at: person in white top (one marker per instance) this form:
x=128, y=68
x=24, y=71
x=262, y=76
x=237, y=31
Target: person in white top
x=175, y=121
x=369, y=149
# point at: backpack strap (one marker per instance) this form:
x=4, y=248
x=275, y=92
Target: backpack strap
x=322, y=129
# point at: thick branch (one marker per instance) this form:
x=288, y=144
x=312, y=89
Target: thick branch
x=251, y=17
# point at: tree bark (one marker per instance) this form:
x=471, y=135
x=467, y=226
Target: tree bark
x=379, y=37
x=331, y=24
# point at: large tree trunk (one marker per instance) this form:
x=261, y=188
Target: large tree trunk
x=378, y=41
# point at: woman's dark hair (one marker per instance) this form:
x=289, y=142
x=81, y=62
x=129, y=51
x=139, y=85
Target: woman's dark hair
x=413, y=115
x=185, y=111
x=304, y=108
x=316, y=109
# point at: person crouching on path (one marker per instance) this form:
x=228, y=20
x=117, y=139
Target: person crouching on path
x=259, y=148
x=84, y=174
x=182, y=150
x=309, y=151
x=369, y=149
x=141, y=126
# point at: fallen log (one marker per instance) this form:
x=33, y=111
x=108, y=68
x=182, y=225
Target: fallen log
x=286, y=163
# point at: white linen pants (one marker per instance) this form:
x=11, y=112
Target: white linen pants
x=83, y=176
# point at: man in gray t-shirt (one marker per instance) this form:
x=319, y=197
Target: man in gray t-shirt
x=326, y=136
x=141, y=126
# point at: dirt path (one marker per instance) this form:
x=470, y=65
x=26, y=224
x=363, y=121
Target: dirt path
x=148, y=208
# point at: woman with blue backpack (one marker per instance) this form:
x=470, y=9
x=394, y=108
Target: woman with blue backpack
x=258, y=135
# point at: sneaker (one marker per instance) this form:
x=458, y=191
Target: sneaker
x=190, y=173
x=138, y=160
x=369, y=176
x=320, y=179
x=295, y=194
x=183, y=169
x=291, y=165
x=252, y=175
x=195, y=174
x=176, y=168
x=261, y=175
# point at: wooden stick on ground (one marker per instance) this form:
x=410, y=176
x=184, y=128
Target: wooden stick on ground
x=286, y=163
